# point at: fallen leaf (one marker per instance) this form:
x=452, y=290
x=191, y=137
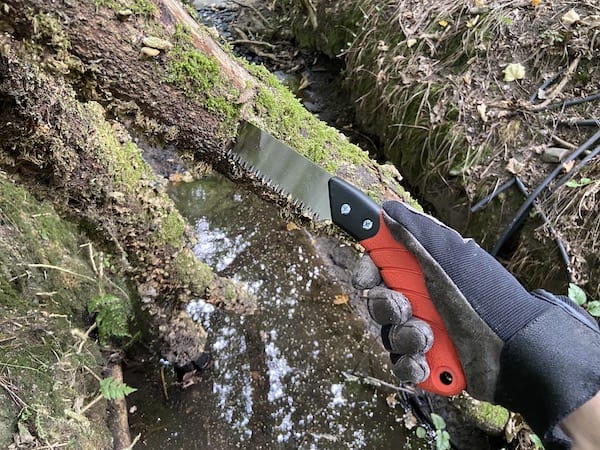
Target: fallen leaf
x=443, y=23
x=291, y=226
x=479, y=3
x=482, y=110
x=568, y=166
x=472, y=22
x=535, y=3
x=410, y=42
x=391, y=400
x=514, y=166
x=341, y=299
x=514, y=71
x=570, y=18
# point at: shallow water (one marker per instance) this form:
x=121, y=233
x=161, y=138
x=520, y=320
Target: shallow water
x=276, y=378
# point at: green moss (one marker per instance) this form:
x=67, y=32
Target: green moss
x=171, y=228
x=139, y=7
x=125, y=159
x=193, y=273
x=47, y=30
x=199, y=76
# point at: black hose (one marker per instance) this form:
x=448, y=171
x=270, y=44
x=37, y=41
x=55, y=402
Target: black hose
x=520, y=215
x=561, y=247
x=575, y=169
x=580, y=123
x=481, y=203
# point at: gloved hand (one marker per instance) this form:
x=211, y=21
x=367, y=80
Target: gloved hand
x=534, y=353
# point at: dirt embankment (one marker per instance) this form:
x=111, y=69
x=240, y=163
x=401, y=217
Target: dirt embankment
x=464, y=97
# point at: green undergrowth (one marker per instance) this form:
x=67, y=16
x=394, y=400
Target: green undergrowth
x=139, y=7
x=46, y=363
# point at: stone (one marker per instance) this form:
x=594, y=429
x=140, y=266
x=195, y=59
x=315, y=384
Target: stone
x=157, y=43
x=149, y=52
x=554, y=154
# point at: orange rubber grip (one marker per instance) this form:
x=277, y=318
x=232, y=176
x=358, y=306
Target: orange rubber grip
x=401, y=272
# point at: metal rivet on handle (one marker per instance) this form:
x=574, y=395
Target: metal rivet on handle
x=367, y=224
x=345, y=209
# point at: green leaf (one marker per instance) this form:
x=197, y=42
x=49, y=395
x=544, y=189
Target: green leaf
x=577, y=294
x=421, y=433
x=442, y=440
x=583, y=182
x=536, y=441
x=438, y=421
x=112, y=389
x=594, y=308
x=112, y=316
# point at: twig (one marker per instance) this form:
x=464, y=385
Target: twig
x=559, y=87
x=91, y=255
x=86, y=336
x=49, y=266
x=251, y=42
x=135, y=441
x=564, y=143
x=164, y=383
x=92, y=403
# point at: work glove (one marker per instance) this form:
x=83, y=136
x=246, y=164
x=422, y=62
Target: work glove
x=534, y=353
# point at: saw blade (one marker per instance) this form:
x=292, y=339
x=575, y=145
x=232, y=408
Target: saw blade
x=288, y=171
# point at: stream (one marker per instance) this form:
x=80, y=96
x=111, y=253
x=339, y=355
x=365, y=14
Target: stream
x=289, y=376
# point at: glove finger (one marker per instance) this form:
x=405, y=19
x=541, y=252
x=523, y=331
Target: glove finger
x=388, y=307
x=411, y=368
x=415, y=336
x=366, y=274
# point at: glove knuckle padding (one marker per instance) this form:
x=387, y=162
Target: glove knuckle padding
x=388, y=307
x=411, y=368
x=366, y=275
x=412, y=337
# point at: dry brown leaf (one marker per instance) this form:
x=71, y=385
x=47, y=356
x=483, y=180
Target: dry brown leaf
x=291, y=226
x=568, y=166
x=535, y=3
x=341, y=299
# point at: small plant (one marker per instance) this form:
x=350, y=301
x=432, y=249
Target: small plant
x=582, y=182
x=442, y=437
x=111, y=316
x=579, y=296
x=110, y=389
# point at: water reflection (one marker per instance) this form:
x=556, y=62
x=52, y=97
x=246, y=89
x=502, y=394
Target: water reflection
x=276, y=378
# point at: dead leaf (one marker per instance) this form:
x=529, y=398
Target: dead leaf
x=391, y=400
x=291, y=226
x=443, y=23
x=570, y=18
x=535, y=3
x=514, y=166
x=410, y=42
x=479, y=3
x=341, y=299
x=514, y=71
x=568, y=166
x=482, y=110
x=472, y=22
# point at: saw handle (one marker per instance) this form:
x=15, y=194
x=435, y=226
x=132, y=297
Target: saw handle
x=362, y=218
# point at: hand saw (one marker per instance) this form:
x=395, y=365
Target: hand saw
x=331, y=198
